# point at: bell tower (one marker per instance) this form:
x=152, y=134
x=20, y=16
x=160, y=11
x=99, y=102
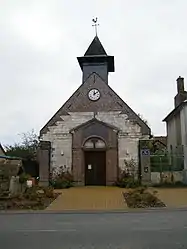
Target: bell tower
x=96, y=60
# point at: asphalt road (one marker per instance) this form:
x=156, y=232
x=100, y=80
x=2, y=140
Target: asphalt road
x=147, y=230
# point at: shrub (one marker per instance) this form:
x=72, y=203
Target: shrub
x=126, y=180
x=23, y=178
x=32, y=194
x=127, y=177
x=49, y=192
x=61, y=179
x=37, y=193
x=142, y=198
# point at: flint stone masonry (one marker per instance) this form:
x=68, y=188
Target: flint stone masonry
x=61, y=139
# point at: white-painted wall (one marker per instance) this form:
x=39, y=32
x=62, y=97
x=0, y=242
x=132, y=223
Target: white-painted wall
x=166, y=177
x=61, y=139
x=183, y=116
x=171, y=134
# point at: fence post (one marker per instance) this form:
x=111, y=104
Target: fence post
x=161, y=170
x=44, y=162
x=145, y=163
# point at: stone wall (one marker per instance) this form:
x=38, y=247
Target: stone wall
x=61, y=139
x=166, y=177
x=8, y=168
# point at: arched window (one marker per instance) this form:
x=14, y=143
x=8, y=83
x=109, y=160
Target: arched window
x=94, y=143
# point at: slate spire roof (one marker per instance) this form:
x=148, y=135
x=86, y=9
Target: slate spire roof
x=95, y=48
x=97, y=54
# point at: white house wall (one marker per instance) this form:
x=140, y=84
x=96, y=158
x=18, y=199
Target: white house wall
x=183, y=116
x=61, y=139
x=171, y=134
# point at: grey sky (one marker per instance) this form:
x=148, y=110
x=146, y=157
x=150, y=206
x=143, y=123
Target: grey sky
x=40, y=40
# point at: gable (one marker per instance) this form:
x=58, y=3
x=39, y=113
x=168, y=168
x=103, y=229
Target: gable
x=109, y=101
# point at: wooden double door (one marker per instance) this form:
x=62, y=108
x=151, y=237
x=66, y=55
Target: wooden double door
x=95, y=168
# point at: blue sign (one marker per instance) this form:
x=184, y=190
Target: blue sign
x=145, y=152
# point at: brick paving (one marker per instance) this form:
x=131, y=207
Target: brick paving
x=110, y=198
x=89, y=198
x=173, y=197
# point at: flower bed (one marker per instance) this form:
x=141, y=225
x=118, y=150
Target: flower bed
x=34, y=198
x=142, y=198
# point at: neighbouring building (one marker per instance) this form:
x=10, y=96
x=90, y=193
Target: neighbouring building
x=95, y=130
x=176, y=125
x=2, y=151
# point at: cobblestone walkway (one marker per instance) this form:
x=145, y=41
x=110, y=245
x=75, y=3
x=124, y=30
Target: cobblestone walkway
x=89, y=198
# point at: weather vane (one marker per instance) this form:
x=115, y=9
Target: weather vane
x=95, y=24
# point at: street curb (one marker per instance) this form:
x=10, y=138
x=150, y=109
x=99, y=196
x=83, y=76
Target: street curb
x=129, y=211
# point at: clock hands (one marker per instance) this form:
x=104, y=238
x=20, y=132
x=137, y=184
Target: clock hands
x=95, y=92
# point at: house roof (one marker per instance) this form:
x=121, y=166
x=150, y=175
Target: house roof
x=161, y=139
x=1, y=148
x=95, y=48
x=175, y=111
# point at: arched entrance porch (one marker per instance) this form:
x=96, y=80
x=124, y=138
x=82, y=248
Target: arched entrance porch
x=85, y=151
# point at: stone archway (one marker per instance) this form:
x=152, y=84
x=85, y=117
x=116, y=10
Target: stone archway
x=106, y=142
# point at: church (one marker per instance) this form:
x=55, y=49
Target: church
x=94, y=131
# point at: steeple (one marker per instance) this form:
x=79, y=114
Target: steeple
x=95, y=48
x=96, y=60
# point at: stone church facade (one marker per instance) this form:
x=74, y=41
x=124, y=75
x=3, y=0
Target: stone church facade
x=95, y=130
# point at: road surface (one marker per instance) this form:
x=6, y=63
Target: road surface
x=140, y=230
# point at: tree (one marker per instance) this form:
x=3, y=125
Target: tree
x=27, y=148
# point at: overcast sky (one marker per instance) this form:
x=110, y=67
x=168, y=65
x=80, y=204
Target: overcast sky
x=40, y=40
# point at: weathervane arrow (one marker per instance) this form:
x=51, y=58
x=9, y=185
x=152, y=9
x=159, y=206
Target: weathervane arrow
x=95, y=24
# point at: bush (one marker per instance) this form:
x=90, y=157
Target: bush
x=23, y=178
x=141, y=198
x=49, y=192
x=32, y=193
x=62, y=179
x=127, y=180
x=61, y=184
x=36, y=193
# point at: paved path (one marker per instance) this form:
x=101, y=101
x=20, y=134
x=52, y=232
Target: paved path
x=89, y=198
x=110, y=198
x=173, y=197
x=148, y=230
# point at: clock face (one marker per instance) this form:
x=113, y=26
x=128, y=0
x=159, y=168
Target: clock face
x=94, y=94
